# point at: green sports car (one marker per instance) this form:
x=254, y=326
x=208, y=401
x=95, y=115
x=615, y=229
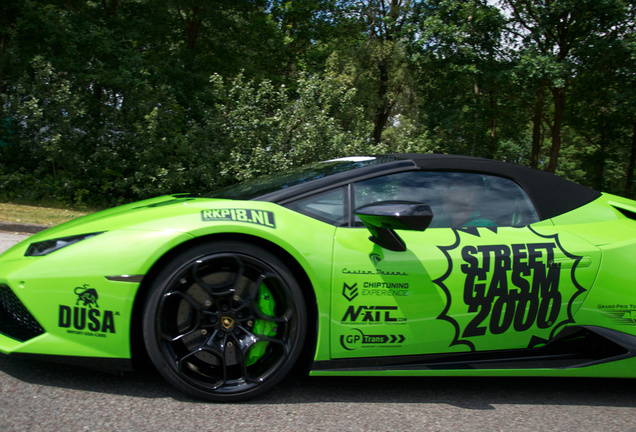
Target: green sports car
x=403, y=264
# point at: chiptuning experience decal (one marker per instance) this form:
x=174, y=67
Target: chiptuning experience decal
x=493, y=289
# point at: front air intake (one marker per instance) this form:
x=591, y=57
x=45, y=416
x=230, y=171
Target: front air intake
x=15, y=320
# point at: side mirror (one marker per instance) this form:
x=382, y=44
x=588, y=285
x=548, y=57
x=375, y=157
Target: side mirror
x=381, y=219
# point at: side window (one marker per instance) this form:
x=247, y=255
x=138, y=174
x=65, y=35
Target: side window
x=457, y=199
x=327, y=206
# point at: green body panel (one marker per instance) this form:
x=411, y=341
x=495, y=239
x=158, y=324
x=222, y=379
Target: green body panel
x=451, y=291
x=425, y=306
x=51, y=289
x=455, y=291
x=612, y=303
x=136, y=236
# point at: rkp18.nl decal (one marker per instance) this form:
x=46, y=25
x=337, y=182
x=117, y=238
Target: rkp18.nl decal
x=494, y=289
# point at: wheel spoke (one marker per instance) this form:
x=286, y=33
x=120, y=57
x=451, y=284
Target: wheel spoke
x=248, y=307
x=245, y=339
x=277, y=341
x=255, y=288
x=216, y=343
x=195, y=320
x=195, y=304
x=186, y=364
x=171, y=338
x=221, y=289
x=284, y=319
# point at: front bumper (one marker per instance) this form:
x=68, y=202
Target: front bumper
x=72, y=303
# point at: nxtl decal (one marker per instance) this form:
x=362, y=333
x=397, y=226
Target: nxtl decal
x=372, y=315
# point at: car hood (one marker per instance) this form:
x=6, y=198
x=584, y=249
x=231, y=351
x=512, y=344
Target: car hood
x=151, y=214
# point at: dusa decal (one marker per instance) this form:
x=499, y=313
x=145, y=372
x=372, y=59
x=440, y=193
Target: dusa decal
x=494, y=289
x=85, y=317
x=258, y=217
x=86, y=296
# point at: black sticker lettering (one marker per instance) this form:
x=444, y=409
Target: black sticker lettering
x=258, y=217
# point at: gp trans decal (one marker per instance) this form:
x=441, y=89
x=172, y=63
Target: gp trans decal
x=521, y=288
x=392, y=289
x=85, y=316
x=357, y=339
x=258, y=217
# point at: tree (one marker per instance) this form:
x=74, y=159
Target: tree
x=551, y=38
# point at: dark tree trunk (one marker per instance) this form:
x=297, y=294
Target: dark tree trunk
x=384, y=108
x=493, y=126
x=537, y=118
x=559, y=109
x=629, y=175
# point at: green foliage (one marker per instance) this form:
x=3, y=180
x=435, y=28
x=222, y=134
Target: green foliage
x=267, y=128
x=105, y=102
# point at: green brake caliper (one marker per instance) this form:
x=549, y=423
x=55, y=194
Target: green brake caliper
x=264, y=302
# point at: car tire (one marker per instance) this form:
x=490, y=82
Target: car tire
x=224, y=321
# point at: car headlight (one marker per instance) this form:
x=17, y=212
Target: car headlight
x=48, y=246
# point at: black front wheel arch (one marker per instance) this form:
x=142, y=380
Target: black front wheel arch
x=224, y=321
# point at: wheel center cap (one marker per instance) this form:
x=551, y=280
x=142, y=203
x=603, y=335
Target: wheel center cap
x=227, y=322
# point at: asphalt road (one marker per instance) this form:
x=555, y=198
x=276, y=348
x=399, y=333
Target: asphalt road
x=37, y=396
x=7, y=240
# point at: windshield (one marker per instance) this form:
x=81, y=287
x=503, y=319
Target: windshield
x=270, y=183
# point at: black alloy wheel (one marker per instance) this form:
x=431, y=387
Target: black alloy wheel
x=224, y=321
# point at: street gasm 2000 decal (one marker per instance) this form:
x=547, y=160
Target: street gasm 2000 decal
x=525, y=288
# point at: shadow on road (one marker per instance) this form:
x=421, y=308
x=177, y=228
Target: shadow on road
x=467, y=393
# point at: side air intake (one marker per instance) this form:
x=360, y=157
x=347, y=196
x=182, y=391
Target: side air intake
x=15, y=320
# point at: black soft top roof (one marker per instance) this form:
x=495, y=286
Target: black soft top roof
x=551, y=195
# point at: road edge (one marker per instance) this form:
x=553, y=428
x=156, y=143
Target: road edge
x=22, y=228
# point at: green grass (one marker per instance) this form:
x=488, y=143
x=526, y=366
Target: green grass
x=37, y=215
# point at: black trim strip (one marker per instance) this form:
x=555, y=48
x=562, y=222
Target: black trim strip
x=574, y=347
x=93, y=363
x=126, y=278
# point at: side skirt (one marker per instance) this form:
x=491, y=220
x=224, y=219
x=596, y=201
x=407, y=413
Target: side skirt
x=574, y=347
x=93, y=363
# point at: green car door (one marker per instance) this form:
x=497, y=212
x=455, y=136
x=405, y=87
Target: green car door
x=485, y=275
